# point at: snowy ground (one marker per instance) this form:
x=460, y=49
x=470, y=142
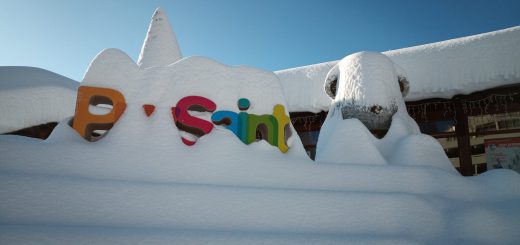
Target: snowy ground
x=82, y=192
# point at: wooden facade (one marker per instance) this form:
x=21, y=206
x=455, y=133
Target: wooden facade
x=41, y=131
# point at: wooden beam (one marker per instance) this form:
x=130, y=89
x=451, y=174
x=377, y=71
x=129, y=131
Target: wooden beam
x=502, y=131
x=462, y=132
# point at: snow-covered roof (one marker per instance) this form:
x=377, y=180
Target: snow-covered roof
x=436, y=70
x=31, y=96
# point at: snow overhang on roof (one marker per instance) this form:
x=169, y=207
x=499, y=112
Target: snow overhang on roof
x=438, y=70
x=31, y=96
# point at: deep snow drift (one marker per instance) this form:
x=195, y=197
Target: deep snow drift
x=141, y=183
x=31, y=96
x=365, y=81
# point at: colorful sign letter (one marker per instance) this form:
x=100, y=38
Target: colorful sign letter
x=85, y=122
x=274, y=128
x=191, y=124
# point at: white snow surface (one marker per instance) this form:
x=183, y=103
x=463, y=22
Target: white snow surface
x=160, y=47
x=219, y=190
x=437, y=70
x=367, y=79
x=140, y=183
x=31, y=96
x=303, y=87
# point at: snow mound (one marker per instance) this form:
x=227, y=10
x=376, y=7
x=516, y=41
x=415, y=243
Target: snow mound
x=163, y=87
x=437, y=70
x=31, y=96
x=141, y=183
x=53, y=187
x=368, y=80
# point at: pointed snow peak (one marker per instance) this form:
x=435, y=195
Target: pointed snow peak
x=160, y=47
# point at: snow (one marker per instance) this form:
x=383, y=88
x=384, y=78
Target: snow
x=74, y=235
x=141, y=184
x=442, y=70
x=368, y=79
x=437, y=70
x=461, y=66
x=165, y=86
x=160, y=47
x=31, y=96
x=252, y=195
x=303, y=87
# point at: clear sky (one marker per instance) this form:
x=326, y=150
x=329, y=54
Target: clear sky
x=64, y=36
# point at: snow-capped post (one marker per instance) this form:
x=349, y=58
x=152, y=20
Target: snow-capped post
x=359, y=96
x=367, y=90
x=160, y=47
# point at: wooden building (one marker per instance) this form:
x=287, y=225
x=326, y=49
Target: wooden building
x=460, y=124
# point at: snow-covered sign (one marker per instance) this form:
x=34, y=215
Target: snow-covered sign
x=141, y=184
x=190, y=85
x=190, y=95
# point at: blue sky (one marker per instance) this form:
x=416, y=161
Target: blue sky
x=64, y=36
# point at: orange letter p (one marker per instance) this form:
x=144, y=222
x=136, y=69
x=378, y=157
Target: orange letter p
x=85, y=122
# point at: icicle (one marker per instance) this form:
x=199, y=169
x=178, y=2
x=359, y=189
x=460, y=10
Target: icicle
x=497, y=102
x=424, y=111
x=455, y=115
